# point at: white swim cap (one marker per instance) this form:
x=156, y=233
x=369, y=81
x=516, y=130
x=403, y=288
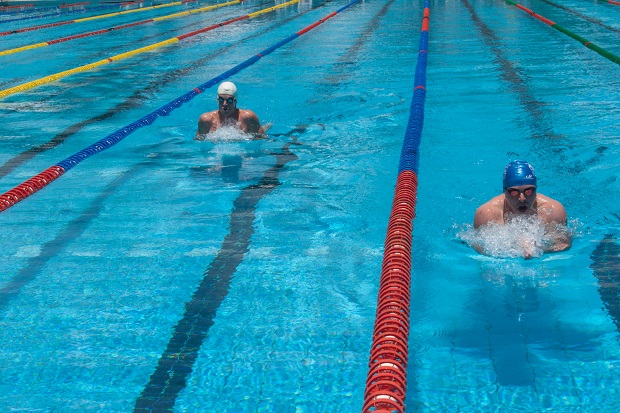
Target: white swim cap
x=227, y=88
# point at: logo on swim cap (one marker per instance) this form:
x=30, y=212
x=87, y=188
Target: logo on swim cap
x=519, y=173
x=227, y=88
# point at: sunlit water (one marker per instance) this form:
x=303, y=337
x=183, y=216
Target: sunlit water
x=98, y=267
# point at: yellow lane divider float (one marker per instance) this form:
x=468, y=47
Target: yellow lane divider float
x=48, y=79
x=85, y=19
x=82, y=35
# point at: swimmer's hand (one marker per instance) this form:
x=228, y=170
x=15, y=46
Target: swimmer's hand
x=528, y=249
x=263, y=134
x=557, y=238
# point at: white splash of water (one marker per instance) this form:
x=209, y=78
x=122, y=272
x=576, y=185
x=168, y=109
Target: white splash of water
x=227, y=134
x=523, y=236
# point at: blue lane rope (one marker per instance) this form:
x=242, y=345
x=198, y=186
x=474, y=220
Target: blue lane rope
x=165, y=110
x=410, y=153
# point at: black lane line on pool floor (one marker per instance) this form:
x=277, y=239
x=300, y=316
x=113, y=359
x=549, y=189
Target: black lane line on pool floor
x=134, y=101
x=176, y=363
x=606, y=267
x=342, y=69
x=582, y=16
x=72, y=231
x=533, y=106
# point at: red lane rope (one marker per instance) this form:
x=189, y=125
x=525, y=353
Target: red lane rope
x=100, y=16
x=387, y=376
x=535, y=15
x=386, y=385
x=63, y=6
x=30, y=186
x=18, y=6
x=116, y=28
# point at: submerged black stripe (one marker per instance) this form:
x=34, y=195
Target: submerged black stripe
x=177, y=361
x=581, y=16
x=73, y=230
x=606, y=267
x=510, y=74
x=343, y=69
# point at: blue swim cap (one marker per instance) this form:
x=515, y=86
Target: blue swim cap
x=519, y=173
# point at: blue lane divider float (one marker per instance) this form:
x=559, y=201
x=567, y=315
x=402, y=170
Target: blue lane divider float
x=24, y=190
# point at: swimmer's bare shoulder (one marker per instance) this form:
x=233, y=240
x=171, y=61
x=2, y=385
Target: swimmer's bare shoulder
x=553, y=214
x=206, y=123
x=550, y=210
x=491, y=211
x=251, y=124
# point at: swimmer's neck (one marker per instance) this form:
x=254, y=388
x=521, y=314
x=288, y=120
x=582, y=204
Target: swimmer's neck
x=231, y=119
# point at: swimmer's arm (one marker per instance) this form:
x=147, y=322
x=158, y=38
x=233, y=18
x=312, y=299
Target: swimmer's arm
x=559, y=237
x=204, y=126
x=253, y=126
x=560, y=243
x=481, y=218
x=486, y=214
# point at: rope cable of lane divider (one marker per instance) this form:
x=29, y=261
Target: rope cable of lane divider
x=606, y=54
x=17, y=6
x=51, y=78
x=65, y=12
x=124, y=26
x=100, y=16
x=40, y=9
x=386, y=384
x=36, y=183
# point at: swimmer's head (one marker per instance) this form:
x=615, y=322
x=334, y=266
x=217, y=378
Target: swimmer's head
x=227, y=88
x=518, y=173
x=227, y=99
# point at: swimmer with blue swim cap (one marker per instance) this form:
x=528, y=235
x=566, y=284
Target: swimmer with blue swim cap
x=519, y=173
x=520, y=198
x=228, y=114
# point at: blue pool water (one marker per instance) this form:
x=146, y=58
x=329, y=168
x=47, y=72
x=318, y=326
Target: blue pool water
x=280, y=241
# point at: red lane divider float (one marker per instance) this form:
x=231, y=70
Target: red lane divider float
x=29, y=187
x=64, y=6
x=61, y=12
x=17, y=6
x=36, y=183
x=386, y=384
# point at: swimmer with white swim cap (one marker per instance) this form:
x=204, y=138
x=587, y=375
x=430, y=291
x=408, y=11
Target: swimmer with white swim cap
x=229, y=115
x=521, y=199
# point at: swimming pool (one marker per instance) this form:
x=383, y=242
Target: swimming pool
x=281, y=240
